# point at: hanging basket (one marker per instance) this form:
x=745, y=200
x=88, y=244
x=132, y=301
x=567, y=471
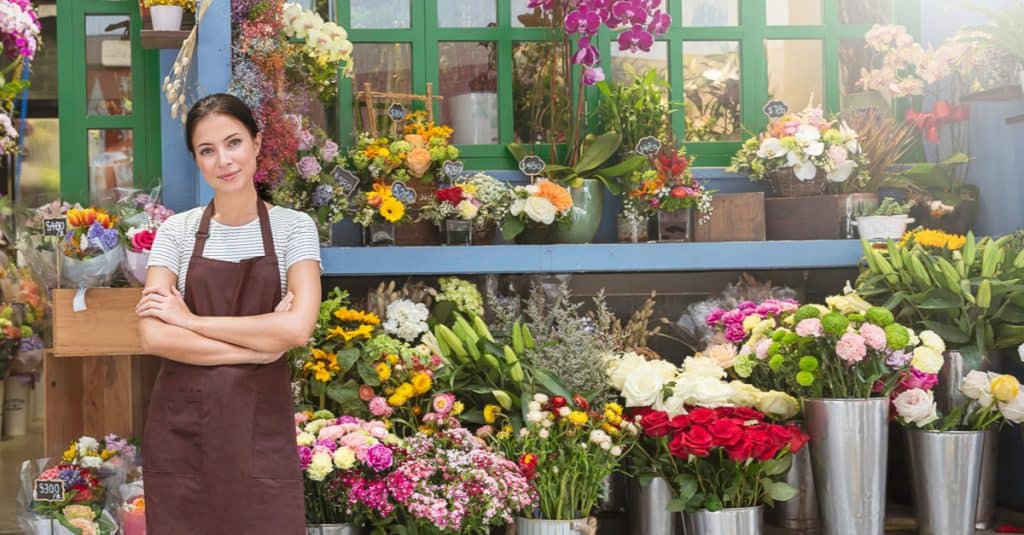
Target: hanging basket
x=784, y=183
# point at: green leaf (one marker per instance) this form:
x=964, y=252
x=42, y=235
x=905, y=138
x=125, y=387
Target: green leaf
x=687, y=488
x=317, y=388
x=368, y=374
x=343, y=393
x=550, y=384
x=713, y=503
x=511, y=228
x=956, y=158
x=947, y=332
x=780, y=491
x=348, y=357
x=775, y=467
x=624, y=167
x=939, y=298
x=519, y=151
x=474, y=416
x=676, y=506
x=599, y=151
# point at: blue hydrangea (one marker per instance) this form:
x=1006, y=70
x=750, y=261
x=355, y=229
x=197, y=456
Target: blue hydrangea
x=105, y=238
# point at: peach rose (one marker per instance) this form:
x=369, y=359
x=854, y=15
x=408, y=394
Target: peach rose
x=415, y=140
x=418, y=161
x=558, y=195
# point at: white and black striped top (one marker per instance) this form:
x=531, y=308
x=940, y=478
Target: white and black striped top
x=295, y=239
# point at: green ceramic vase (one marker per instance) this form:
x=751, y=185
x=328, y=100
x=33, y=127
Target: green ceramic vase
x=585, y=217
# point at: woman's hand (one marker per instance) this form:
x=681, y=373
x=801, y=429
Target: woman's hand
x=165, y=304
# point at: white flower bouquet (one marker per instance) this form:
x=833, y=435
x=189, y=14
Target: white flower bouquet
x=537, y=205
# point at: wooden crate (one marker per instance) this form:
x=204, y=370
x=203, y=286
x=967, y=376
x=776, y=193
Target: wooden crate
x=734, y=217
x=109, y=325
x=817, y=217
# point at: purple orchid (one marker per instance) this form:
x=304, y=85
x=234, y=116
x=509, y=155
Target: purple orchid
x=630, y=11
x=583, y=20
x=636, y=39
x=586, y=54
x=659, y=22
x=592, y=75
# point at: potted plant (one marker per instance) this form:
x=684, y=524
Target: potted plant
x=800, y=154
x=947, y=452
x=166, y=14
x=475, y=113
x=378, y=211
x=317, y=50
x=535, y=211
x=666, y=190
x=468, y=211
x=635, y=110
x=886, y=222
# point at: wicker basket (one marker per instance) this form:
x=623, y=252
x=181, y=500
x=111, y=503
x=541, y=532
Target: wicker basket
x=784, y=183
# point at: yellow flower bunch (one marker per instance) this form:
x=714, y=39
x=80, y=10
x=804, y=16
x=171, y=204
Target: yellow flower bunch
x=403, y=393
x=323, y=366
x=417, y=125
x=187, y=5
x=356, y=325
x=934, y=238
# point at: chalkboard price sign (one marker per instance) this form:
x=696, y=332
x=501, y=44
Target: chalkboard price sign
x=396, y=112
x=55, y=227
x=48, y=490
x=403, y=193
x=648, y=146
x=775, y=109
x=347, y=181
x=532, y=165
x=453, y=169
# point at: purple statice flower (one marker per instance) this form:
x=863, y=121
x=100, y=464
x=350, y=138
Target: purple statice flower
x=71, y=477
x=305, y=456
x=379, y=457
x=586, y=53
x=592, y=75
x=31, y=343
x=103, y=238
x=322, y=195
x=308, y=167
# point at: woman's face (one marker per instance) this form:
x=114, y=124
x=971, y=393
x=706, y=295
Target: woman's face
x=225, y=152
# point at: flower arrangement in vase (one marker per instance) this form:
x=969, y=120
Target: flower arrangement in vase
x=316, y=183
x=378, y=211
x=666, y=189
x=534, y=209
x=139, y=217
x=319, y=50
x=801, y=153
x=92, y=248
x=478, y=203
x=416, y=155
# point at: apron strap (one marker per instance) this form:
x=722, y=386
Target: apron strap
x=268, y=239
x=204, y=231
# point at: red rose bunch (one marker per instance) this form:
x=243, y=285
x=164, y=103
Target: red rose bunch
x=708, y=450
x=453, y=195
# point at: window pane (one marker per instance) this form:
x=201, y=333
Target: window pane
x=110, y=162
x=468, y=80
x=108, y=65
x=854, y=56
x=711, y=79
x=524, y=17
x=795, y=72
x=865, y=11
x=626, y=65
x=39, y=182
x=467, y=14
x=710, y=13
x=380, y=14
x=386, y=67
x=793, y=12
x=541, y=114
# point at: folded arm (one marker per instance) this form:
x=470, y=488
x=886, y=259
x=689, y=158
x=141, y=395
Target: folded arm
x=273, y=332
x=182, y=345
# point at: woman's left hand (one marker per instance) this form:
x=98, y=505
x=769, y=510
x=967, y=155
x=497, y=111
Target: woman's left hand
x=165, y=304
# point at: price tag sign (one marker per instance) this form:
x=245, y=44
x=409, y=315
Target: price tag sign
x=347, y=181
x=48, y=490
x=775, y=109
x=396, y=112
x=55, y=227
x=532, y=166
x=453, y=169
x=403, y=193
x=648, y=146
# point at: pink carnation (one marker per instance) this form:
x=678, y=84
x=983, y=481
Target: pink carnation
x=301, y=418
x=734, y=317
x=873, y=335
x=810, y=327
x=714, y=317
x=379, y=407
x=851, y=348
x=735, y=333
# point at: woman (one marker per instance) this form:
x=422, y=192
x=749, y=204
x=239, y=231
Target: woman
x=219, y=443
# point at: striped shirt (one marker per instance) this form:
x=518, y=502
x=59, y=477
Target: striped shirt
x=294, y=232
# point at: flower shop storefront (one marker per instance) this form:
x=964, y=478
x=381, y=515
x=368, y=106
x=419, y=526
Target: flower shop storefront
x=589, y=266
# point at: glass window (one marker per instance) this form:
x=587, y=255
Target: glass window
x=795, y=72
x=524, y=17
x=541, y=104
x=710, y=13
x=711, y=80
x=387, y=67
x=111, y=153
x=627, y=65
x=468, y=80
x=108, y=65
x=380, y=14
x=865, y=11
x=793, y=12
x=39, y=181
x=467, y=14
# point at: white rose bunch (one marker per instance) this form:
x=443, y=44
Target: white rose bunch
x=917, y=407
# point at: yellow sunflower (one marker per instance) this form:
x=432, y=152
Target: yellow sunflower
x=421, y=383
x=349, y=335
x=322, y=365
x=347, y=314
x=391, y=209
x=935, y=238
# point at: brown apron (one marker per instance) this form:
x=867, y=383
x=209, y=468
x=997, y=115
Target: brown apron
x=219, y=443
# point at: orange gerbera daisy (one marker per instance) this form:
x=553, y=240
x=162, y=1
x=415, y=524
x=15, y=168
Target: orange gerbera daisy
x=558, y=195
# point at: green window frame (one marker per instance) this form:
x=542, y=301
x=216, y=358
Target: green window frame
x=752, y=32
x=75, y=121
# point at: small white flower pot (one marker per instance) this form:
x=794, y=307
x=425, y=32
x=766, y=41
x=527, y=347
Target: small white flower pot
x=166, y=18
x=881, y=228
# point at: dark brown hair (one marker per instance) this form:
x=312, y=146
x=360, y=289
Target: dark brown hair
x=224, y=104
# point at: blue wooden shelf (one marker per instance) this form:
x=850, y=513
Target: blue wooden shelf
x=593, y=258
